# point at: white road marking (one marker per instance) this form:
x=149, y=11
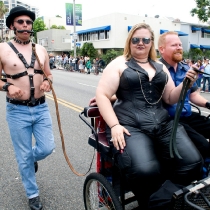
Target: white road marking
x=87, y=85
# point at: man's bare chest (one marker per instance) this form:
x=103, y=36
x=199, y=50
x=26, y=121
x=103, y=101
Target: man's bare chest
x=15, y=61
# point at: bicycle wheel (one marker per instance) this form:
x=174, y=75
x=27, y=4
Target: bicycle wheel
x=98, y=194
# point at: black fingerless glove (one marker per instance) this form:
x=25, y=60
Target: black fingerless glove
x=208, y=105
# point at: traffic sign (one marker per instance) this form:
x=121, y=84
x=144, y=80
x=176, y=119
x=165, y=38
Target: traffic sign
x=75, y=35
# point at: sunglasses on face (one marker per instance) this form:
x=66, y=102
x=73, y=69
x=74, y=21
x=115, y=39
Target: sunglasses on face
x=136, y=40
x=28, y=22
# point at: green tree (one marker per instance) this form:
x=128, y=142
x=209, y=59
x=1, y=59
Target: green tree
x=89, y=50
x=195, y=54
x=54, y=27
x=3, y=10
x=111, y=54
x=186, y=54
x=206, y=53
x=202, y=10
x=57, y=27
x=58, y=16
x=38, y=26
x=61, y=27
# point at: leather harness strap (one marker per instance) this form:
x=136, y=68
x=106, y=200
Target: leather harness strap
x=33, y=58
x=16, y=76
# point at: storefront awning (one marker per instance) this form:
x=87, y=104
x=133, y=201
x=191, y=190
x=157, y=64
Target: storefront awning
x=205, y=47
x=102, y=28
x=194, y=46
x=205, y=30
x=163, y=31
x=193, y=28
x=180, y=33
x=129, y=28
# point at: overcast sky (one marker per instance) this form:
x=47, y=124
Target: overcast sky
x=93, y=8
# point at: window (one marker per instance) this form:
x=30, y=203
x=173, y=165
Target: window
x=43, y=42
x=193, y=32
x=106, y=34
x=84, y=37
x=95, y=35
x=80, y=37
x=206, y=35
x=91, y=36
x=101, y=35
x=88, y=36
x=66, y=40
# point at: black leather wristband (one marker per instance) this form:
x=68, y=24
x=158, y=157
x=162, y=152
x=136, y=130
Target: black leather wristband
x=208, y=105
x=6, y=85
x=47, y=80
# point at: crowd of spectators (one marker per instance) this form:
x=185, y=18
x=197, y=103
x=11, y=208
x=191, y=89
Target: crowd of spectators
x=81, y=64
x=203, y=81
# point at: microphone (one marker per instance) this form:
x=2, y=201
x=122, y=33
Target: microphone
x=22, y=31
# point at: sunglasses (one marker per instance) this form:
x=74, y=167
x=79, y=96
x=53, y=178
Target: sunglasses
x=136, y=40
x=28, y=22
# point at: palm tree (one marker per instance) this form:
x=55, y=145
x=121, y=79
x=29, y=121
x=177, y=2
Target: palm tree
x=3, y=10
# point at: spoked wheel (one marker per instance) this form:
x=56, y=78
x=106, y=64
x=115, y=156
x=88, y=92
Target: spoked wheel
x=99, y=194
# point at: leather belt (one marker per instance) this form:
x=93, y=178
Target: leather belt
x=38, y=101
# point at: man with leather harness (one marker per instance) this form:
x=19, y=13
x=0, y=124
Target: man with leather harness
x=27, y=113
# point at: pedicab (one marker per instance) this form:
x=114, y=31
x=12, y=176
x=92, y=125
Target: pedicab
x=106, y=189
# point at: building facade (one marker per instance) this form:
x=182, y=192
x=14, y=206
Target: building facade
x=6, y=33
x=110, y=31
x=199, y=36
x=55, y=40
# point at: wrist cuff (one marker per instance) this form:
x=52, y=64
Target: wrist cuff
x=208, y=105
x=49, y=80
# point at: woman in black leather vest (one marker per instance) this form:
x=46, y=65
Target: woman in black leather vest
x=139, y=127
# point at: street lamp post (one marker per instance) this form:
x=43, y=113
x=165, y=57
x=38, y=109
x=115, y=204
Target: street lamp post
x=74, y=29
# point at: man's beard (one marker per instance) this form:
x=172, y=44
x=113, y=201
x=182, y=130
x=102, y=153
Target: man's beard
x=177, y=57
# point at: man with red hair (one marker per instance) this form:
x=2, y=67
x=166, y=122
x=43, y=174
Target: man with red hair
x=197, y=126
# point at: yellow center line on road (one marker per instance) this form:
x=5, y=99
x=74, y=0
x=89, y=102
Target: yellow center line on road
x=65, y=103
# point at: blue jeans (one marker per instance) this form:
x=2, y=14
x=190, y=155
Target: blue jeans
x=23, y=122
x=204, y=83
x=198, y=81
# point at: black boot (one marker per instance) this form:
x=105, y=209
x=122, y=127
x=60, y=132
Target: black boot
x=35, y=203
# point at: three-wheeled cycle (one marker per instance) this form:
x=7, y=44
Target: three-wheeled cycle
x=106, y=189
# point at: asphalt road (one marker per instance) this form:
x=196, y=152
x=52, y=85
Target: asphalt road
x=60, y=188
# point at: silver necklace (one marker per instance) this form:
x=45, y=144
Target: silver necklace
x=143, y=90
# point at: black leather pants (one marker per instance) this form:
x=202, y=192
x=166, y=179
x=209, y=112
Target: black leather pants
x=146, y=160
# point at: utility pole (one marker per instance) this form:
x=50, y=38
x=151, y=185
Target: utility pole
x=74, y=36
